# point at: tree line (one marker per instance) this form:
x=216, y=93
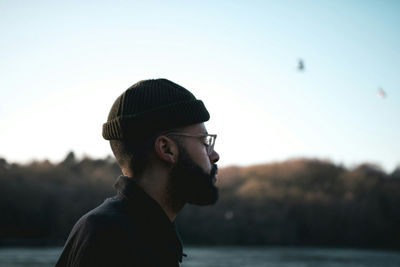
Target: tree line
x=296, y=202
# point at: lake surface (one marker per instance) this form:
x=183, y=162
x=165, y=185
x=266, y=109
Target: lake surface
x=232, y=256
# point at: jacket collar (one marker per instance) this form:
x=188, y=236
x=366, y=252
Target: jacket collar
x=152, y=214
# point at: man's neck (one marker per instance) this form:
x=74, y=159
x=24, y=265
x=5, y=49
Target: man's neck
x=156, y=186
x=159, y=193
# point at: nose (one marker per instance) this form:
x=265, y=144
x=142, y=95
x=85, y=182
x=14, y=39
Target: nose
x=214, y=156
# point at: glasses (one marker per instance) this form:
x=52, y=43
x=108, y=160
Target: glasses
x=207, y=139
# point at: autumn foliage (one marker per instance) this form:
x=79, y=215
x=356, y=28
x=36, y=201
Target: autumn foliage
x=295, y=202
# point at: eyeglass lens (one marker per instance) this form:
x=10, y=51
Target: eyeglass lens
x=210, y=142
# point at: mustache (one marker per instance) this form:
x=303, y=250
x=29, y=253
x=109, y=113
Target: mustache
x=214, y=170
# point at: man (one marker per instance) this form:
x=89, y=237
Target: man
x=157, y=134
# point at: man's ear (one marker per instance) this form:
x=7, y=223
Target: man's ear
x=166, y=149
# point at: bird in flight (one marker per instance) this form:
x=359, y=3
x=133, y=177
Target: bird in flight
x=300, y=65
x=381, y=93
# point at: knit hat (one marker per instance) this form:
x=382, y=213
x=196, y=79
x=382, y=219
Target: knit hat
x=152, y=106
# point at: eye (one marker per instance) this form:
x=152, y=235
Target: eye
x=206, y=141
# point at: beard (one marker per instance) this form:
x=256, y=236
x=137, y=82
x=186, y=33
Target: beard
x=189, y=183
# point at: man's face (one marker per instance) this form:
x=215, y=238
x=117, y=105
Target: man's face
x=190, y=183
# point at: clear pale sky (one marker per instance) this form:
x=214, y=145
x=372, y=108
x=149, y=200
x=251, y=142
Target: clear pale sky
x=63, y=63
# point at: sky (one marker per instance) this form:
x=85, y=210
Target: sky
x=63, y=63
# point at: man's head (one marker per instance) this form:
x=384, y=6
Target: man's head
x=159, y=123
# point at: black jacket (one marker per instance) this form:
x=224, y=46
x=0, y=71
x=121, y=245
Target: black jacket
x=130, y=229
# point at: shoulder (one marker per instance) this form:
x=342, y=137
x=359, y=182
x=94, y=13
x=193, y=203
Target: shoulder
x=108, y=219
x=101, y=236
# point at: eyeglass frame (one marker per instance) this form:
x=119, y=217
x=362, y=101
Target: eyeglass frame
x=210, y=148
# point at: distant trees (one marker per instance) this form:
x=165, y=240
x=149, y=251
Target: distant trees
x=42, y=201
x=300, y=202
x=296, y=202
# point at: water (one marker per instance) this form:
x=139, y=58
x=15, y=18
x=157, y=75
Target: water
x=289, y=257
x=32, y=257
x=232, y=256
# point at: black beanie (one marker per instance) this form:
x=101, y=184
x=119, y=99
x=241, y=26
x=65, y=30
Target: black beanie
x=152, y=106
